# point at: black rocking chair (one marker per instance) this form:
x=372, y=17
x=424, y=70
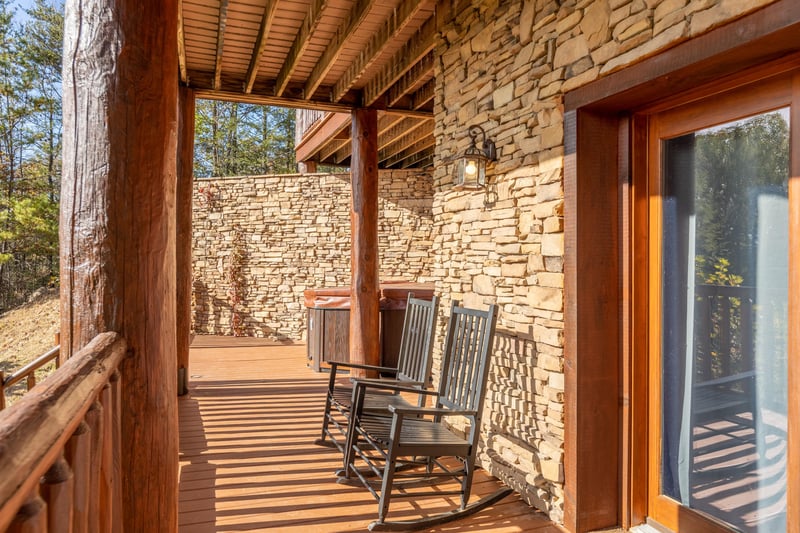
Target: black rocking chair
x=413, y=370
x=387, y=445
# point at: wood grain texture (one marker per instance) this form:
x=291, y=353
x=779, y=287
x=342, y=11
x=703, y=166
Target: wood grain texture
x=364, y=257
x=592, y=303
x=47, y=417
x=117, y=235
x=183, y=232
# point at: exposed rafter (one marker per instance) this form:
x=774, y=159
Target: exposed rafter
x=424, y=95
x=399, y=19
x=406, y=139
x=412, y=80
x=354, y=19
x=425, y=142
x=182, y=47
x=301, y=40
x=422, y=159
x=261, y=42
x=412, y=52
x=332, y=147
x=223, y=20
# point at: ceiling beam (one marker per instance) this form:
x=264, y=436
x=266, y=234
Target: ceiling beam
x=412, y=80
x=313, y=141
x=223, y=20
x=182, y=47
x=399, y=20
x=297, y=103
x=261, y=42
x=354, y=19
x=301, y=41
x=331, y=148
x=412, y=52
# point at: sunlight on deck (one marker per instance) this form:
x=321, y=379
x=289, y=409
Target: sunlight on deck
x=248, y=462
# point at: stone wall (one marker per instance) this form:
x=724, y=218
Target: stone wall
x=279, y=235
x=506, y=66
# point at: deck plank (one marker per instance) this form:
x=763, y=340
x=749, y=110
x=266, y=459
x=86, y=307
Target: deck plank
x=248, y=462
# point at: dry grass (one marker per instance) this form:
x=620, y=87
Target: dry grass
x=26, y=333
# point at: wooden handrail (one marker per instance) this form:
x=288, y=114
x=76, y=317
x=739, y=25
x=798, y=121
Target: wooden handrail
x=32, y=367
x=46, y=432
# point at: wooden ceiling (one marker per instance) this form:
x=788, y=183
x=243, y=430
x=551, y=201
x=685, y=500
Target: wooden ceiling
x=330, y=55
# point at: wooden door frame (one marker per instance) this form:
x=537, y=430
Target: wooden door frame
x=605, y=459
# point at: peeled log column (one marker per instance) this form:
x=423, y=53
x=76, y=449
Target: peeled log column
x=183, y=251
x=364, y=310
x=117, y=226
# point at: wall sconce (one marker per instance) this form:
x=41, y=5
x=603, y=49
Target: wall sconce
x=471, y=167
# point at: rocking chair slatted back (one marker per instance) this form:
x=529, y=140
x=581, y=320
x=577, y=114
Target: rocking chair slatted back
x=414, y=360
x=468, y=337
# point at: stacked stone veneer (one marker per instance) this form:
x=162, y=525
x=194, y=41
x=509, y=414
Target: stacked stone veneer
x=292, y=234
x=506, y=66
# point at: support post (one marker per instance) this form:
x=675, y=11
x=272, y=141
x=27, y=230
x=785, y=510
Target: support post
x=364, y=307
x=117, y=231
x=183, y=244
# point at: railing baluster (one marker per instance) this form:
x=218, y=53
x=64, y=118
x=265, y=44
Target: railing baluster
x=31, y=517
x=57, y=490
x=116, y=459
x=106, y=495
x=78, y=453
x=94, y=417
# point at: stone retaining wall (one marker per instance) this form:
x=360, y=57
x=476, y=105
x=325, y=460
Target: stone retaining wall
x=505, y=66
x=279, y=235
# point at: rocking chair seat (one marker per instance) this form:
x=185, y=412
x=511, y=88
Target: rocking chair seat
x=417, y=436
x=375, y=401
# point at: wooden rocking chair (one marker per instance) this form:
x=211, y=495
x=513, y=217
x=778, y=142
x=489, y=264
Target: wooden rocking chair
x=413, y=370
x=419, y=436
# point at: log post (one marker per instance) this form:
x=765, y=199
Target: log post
x=364, y=307
x=117, y=227
x=183, y=243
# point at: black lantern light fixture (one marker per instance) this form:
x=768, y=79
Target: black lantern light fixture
x=471, y=167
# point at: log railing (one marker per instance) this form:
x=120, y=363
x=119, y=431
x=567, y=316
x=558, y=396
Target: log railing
x=60, y=446
x=27, y=373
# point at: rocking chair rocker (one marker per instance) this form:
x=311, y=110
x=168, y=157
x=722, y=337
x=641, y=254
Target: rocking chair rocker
x=413, y=371
x=387, y=445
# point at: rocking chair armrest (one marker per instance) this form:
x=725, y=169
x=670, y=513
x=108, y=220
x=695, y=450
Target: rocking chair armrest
x=336, y=364
x=434, y=411
x=381, y=381
x=361, y=383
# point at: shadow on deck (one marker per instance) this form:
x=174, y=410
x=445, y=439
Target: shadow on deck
x=248, y=462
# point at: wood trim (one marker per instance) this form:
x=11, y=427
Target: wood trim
x=766, y=34
x=592, y=365
x=223, y=20
x=793, y=454
x=261, y=42
x=635, y=506
x=299, y=45
x=355, y=18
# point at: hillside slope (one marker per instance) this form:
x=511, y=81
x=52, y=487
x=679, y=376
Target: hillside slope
x=29, y=330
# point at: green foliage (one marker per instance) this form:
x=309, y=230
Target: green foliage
x=242, y=139
x=30, y=147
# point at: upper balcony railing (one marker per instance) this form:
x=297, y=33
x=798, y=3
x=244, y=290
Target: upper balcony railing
x=60, y=446
x=27, y=373
x=304, y=120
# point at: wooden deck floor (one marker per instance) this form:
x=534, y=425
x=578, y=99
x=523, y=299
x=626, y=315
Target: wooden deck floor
x=248, y=462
